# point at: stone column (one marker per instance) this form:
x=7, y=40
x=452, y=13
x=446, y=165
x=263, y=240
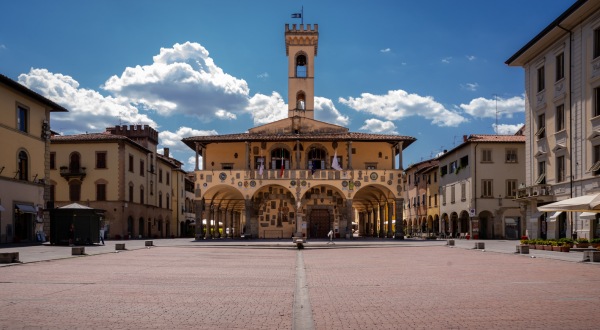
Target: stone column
x=209, y=215
x=399, y=226
x=224, y=222
x=247, y=156
x=381, y=220
x=390, y=214
x=199, y=207
x=394, y=157
x=349, y=155
x=247, y=231
x=238, y=227
x=348, y=220
x=217, y=217
x=204, y=161
x=400, y=166
x=297, y=155
x=196, y=169
x=375, y=211
x=231, y=218
x=369, y=223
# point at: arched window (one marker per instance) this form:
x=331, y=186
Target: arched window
x=301, y=101
x=316, y=158
x=278, y=157
x=23, y=166
x=141, y=195
x=160, y=199
x=74, y=162
x=301, y=66
x=74, y=190
x=168, y=201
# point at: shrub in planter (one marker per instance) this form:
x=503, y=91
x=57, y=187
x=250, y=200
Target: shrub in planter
x=468, y=237
x=565, y=247
x=524, y=237
x=582, y=243
x=595, y=242
x=548, y=247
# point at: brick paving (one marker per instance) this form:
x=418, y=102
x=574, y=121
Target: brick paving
x=444, y=288
x=159, y=288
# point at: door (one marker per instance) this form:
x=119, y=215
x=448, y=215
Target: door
x=483, y=228
x=319, y=223
x=511, y=228
x=141, y=225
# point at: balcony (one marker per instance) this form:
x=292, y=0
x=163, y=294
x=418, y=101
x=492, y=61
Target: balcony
x=538, y=193
x=72, y=172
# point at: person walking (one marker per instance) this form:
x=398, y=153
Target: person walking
x=71, y=235
x=102, y=236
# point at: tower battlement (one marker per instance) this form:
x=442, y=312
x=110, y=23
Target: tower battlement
x=139, y=133
x=301, y=28
x=298, y=36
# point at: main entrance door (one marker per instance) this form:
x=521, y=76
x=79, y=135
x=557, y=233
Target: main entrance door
x=319, y=223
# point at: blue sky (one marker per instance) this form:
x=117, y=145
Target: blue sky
x=423, y=69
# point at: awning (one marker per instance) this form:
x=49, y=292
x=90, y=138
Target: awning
x=554, y=216
x=577, y=204
x=1, y=208
x=587, y=216
x=26, y=208
x=535, y=217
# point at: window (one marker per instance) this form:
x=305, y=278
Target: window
x=486, y=187
x=541, y=133
x=453, y=167
x=52, y=193
x=22, y=120
x=131, y=163
x=444, y=195
x=23, y=166
x=434, y=176
x=418, y=200
x=464, y=161
x=435, y=199
x=101, y=160
x=279, y=157
x=511, y=155
x=595, y=169
x=430, y=201
x=444, y=170
x=541, y=79
x=429, y=179
x=408, y=179
x=160, y=175
x=560, y=117
x=511, y=185
x=597, y=102
x=560, y=169
x=486, y=155
x=74, y=190
x=463, y=192
x=160, y=199
x=100, y=192
x=541, y=173
x=168, y=178
x=560, y=66
x=53, y=160
x=168, y=201
x=301, y=66
x=316, y=158
x=141, y=167
x=74, y=163
x=141, y=195
x=423, y=201
x=131, y=194
x=300, y=104
x=596, y=43
x=452, y=194
x=227, y=166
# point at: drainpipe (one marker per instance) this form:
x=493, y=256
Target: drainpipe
x=570, y=119
x=475, y=184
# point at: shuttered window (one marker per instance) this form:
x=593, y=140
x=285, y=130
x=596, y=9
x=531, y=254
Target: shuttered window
x=101, y=192
x=463, y=191
x=160, y=175
x=486, y=187
x=52, y=160
x=560, y=66
x=131, y=194
x=596, y=164
x=511, y=185
x=130, y=163
x=101, y=160
x=596, y=43
x=560, y=169
x=74, y=192
x=141, y=195
x=452, y=194
x=560, y=117
x=511, y=155
x=541, y=132
x=486, y=155
x=444, y=195
x=541, y=173
x=541, y=75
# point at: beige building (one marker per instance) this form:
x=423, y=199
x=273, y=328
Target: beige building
x=562, y=113
x=432, y=203
x=118, y=171
x=416, y=206
x=298, y=192
x=25, y=161
x=477, y=183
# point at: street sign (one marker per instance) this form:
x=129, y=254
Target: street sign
x=472, y=212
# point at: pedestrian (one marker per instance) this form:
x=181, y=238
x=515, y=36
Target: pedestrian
x=102, y=236
x=71, y=235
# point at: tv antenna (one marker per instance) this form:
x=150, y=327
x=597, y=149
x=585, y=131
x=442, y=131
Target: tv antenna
x=121, y=113
x=497, y=112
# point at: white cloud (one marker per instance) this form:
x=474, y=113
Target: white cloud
x=190, y=164
x=398, y=104
x=379, y=126
x=264, y=75
x=385, y=50
x=506, y=129
x=266, y=109
x=470, y=87
x=325, y=111
x=172, y=140
x=470, y=57
x=222, y=114
x=446, y=60
x=481, y=107
x=88, y=109
x=403, y=63
x=2, y=47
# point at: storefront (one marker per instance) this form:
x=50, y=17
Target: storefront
x=24, y=226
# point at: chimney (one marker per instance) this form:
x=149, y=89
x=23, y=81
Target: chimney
x=465, y=137
x=166, y=152
x=445, y=151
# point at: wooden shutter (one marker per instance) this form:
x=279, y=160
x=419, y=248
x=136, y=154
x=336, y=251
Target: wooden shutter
x=131, y=194
x=74, y=192
x=101, y=192
x=463, y=192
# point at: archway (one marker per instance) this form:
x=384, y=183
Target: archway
x=454, y=224
x=319, y=222
x=129, y=226
x=444, y=223
x=141, y=227
x=485, y=225
x=464, y=222
x=168, y=229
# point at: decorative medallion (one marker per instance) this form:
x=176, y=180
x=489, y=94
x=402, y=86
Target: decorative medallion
x=357, y=184
x=222, y=176
x=205, y=185
x=252, y=183
x=245, y=184
x=344, y=184
x=389, y=182
x=240, y=184
x=293, y=183
x=374, y=176
x=303, y=183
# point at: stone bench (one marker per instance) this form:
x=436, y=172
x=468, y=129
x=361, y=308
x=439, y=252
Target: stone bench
x=523, y=249
x=450, y=242
x=9, y=257
x=77, y=251
x=479, y=245
x=149, y=243
x=120, y=246
x=294, y=239
x=591, y=256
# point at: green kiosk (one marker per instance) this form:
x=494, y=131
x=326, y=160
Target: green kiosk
x=85, y=219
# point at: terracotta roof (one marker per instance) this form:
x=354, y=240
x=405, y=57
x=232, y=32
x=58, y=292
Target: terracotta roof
x=349, y=136
x=174, y=162
x=104, y=136
x=485, y=138
x=15, y=85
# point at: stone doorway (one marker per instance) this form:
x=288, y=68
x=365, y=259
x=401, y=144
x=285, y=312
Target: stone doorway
x=320, y=223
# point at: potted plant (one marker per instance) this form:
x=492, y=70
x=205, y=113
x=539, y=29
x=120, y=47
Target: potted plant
x=566, y=247
x=582, y=243
x=117, y=237
x=535, y=193
x=468, y=237
x=524, y=237
x=595, y=242
x=556, y=247
x=539, y=244
x=548, y=246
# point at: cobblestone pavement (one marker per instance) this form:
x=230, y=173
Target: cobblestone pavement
x=444, y=288
x=158, y=288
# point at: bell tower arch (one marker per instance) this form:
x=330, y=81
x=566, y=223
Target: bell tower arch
x=301, y=49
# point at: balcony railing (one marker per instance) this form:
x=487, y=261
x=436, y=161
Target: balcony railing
x=72, y=172
x=542, y=191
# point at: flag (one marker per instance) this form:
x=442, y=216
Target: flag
x=282, y=161
x=262, y=163
x=335, y=164
x=298, y=15
x=313, y=162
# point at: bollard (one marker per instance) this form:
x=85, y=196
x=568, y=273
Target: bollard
x=523, y=249
x=9, y=257
x=120, y=246
x=451, y=242
x=149, y=243
x=77, y=251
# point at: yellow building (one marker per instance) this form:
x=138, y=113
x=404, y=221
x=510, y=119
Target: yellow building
x=299, y=191
x=118, y=171
x=433, y=202
x=25, y=161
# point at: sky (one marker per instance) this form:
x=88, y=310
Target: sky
x=427, y=69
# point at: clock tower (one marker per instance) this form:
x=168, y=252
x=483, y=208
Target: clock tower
x=301, y=48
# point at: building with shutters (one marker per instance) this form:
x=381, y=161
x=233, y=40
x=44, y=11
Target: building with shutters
x=416, y=205
x=280, y=179
x=25, y=161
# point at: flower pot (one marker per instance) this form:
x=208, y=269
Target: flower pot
x=126, y=237
x=475, y=236
x=583, y=245
x=565, y=248
x=556, y=248
x=539, y=247
x=468, y=237
x=595, y=245
x=532, y=246
x=548, y=247
x=117, y=237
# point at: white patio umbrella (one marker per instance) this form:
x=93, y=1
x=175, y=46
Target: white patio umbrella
x=589, y=203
